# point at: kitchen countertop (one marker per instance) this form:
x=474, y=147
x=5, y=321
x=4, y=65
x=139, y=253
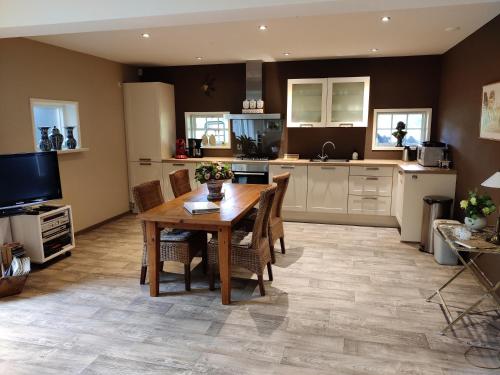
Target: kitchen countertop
x=406, y=167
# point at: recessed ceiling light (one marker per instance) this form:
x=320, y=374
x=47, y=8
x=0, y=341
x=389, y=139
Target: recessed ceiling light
x=452, y=28
x=145, y=35
x=286, y=53
x=385, y=19
x=374, y=50
x=262, y=27
x=199, y=58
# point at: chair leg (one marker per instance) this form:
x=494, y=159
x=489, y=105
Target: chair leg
x=260, y=278
x=161, y=266
x=187, y=276
x=273, y=256
x=270, y=271
x=282, y=243
x=211, y=277
x=144, y=270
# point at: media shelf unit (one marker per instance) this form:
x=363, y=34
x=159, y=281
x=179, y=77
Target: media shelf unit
x=45, y=235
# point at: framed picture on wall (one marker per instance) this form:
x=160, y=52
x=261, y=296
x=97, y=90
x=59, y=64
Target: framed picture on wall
x=490, y=112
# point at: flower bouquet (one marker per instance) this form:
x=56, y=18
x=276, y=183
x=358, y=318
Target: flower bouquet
x=214, y=175
x=477, y=207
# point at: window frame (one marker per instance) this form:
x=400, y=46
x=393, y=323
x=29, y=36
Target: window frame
x=57, y=103
x=426, y=128
x=218, y=114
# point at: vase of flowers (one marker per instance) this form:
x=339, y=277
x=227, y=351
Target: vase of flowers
x=477, y=207
x=214, y=175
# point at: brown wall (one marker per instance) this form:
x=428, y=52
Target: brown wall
x=93, y=182
x=466, y=68
x=395, y=83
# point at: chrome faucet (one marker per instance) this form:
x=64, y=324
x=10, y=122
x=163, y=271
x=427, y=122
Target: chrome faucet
x=323, y=156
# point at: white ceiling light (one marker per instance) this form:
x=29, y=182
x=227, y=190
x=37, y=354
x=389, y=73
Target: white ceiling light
x=262, y=27
x=286, y=53
x=385, y=19
x=199, y=58
x=145, y=35
x=452, y=28
x=374, y=50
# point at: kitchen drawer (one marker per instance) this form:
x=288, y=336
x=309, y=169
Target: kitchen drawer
x=369, y=205
x=370, y=185
x=371, y=171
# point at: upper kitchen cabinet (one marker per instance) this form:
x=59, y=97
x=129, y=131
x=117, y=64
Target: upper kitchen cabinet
x=347, y=101
x=306, y=103
x=149, y=120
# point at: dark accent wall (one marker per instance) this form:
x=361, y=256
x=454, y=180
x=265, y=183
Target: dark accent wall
x=465, y=69
x=398, y=82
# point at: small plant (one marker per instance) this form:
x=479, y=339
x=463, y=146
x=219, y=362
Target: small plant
x=477, y=205
x=212, y=171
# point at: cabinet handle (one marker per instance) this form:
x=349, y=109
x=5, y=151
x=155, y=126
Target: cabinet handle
x=414, y=177
x=287, y=167
x=328, y=168
x=372, y=178
x=346, y=125
x=372, y=168
x=369, y=198
x=178, y=164
x=400, y=172
x=306, y=125
x=144, y=159
x=144, y=163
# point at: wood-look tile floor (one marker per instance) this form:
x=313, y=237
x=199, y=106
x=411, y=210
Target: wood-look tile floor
x=344, y=300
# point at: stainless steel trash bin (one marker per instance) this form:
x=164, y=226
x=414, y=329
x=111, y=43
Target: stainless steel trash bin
x=435, y=207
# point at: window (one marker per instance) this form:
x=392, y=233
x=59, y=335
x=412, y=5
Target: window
x=211, y=127
x=55, y=113
x=417, y=121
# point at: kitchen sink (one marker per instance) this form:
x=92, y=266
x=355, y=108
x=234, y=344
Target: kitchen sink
x=329, y=161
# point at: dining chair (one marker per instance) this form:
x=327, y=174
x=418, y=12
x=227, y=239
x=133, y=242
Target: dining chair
x=175, y=244
x=276, y=220
x=179, y=180
x=249, y=249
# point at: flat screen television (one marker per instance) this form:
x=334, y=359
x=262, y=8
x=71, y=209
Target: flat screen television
x=28, y=179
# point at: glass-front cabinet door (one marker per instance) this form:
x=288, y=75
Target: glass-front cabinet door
x=347, y=101
x=306, y=102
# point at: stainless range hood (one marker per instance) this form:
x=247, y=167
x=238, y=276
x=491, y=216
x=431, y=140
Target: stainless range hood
x=253, y=91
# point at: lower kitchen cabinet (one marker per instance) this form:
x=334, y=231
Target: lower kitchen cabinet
x=412, y=188
x=327, y=189
x=369, y=205
x=172, y=167
x=140, y=172
x=296, y=194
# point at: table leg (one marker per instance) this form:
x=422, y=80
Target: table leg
x=224, y=238
x=153, y=237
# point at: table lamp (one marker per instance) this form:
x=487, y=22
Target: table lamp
x=494, y=182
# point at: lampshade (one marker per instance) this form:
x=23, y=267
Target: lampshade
x=493, y=181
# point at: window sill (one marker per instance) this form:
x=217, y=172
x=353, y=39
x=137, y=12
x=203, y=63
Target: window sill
x=388, y=148
x=76, y=150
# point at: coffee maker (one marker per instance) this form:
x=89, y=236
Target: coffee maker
x=194, y=148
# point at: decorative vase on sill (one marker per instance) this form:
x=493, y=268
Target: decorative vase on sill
x=70, y=138
x=476, y=224
x=215, y=190
x=45, y=144
x=214, y=175
x=56, y=138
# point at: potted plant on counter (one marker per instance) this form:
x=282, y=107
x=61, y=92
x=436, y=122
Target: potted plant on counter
x=214, y=175
x=477, y=207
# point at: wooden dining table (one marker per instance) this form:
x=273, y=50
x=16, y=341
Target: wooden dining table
x=237, y=202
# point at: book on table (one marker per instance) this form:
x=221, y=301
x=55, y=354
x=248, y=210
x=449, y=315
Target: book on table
x=198, y=208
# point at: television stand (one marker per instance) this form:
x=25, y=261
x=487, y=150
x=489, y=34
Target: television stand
x=45, y=235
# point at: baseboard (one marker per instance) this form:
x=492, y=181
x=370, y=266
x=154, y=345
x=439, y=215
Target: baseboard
x=101, y=223
x=343, y=219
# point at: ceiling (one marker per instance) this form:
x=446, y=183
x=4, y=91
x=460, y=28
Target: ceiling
x=225, y=31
